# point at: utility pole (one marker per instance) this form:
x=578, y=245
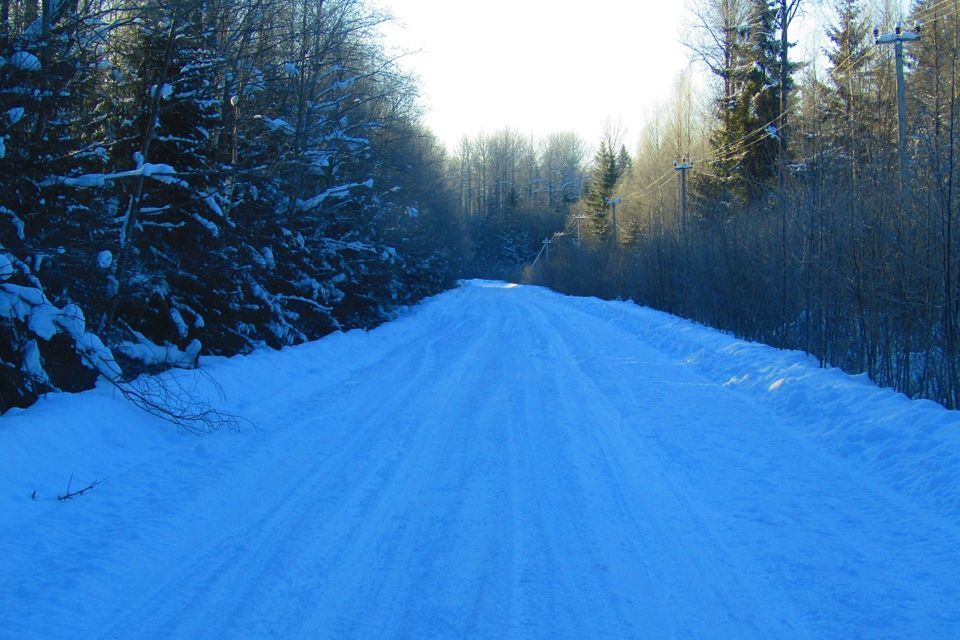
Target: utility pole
x=613, y=202
x=578, y=219
x=683, y=166
x=897, y=38
x=546, y=250
x=788, y=10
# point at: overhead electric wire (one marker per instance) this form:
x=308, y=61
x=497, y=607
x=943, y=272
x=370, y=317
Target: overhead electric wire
x=738, y=147
x=658, y=182
x=549, y=241
x=849, y=62
x=926, y=12
x=734, y=149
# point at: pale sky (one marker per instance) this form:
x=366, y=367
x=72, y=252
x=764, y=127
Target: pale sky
x=539, y=66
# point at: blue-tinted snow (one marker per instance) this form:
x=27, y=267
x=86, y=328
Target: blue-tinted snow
x=500, y=462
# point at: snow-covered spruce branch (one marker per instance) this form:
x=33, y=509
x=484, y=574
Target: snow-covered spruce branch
x=306, y=301
x=161, y=395
x=164, y=394
x=161, y=172
x=338, y=192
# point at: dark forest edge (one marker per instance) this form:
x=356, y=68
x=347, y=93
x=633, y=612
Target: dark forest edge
x=203, y=177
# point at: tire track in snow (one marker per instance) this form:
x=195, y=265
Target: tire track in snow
x=517, y=467
x=639, y=495
x=769, y=507
x=204, y=597
x=431, y=497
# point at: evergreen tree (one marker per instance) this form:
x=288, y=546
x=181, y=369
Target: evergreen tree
x=746, y=111
x=172, y=219
x=217, y=175
x=45, y=235
x=758, y=105
x=608, y=167
x=848, y=55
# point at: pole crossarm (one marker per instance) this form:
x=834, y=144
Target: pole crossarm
x=898, y=35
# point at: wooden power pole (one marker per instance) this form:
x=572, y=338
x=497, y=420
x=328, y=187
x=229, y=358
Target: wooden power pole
x=613, y=202
x=578, y=219
x=897, y=38
x=683, y=166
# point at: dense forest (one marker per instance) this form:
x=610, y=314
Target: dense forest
x=214, y=176
x=811, y=219
x=193, y=177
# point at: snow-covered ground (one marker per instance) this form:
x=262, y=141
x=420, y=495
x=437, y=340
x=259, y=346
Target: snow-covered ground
x=501, y=462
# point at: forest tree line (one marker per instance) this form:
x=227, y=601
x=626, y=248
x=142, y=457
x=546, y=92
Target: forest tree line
x=204, y=176
x=215, y=176
x=513, y=190
x=798, y=230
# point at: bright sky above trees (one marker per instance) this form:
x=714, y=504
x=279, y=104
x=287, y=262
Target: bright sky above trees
x=539, y=66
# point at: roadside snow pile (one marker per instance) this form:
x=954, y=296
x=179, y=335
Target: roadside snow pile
x=97, y=434
x=912, y=445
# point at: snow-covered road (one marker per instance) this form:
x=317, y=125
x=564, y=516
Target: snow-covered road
x=501, y=462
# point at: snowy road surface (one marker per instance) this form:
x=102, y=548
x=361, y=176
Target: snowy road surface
x=501, y=462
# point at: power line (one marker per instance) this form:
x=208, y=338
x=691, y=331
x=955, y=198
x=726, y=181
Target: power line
x=658, y=182
x=546, y=242
x=848, y=63
x=927, y=12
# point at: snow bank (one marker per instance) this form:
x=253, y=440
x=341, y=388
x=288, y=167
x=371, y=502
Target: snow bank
x=912, y=445
x=97, y=434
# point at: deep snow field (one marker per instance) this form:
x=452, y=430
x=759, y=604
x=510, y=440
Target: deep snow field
x=499, y=462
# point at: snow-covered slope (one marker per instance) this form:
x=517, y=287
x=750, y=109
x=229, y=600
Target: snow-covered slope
x=500, y=462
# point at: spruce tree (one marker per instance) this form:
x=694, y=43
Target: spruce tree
x=758, y=103
x=46, y=231
x=744, y=142
x=608, y=167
